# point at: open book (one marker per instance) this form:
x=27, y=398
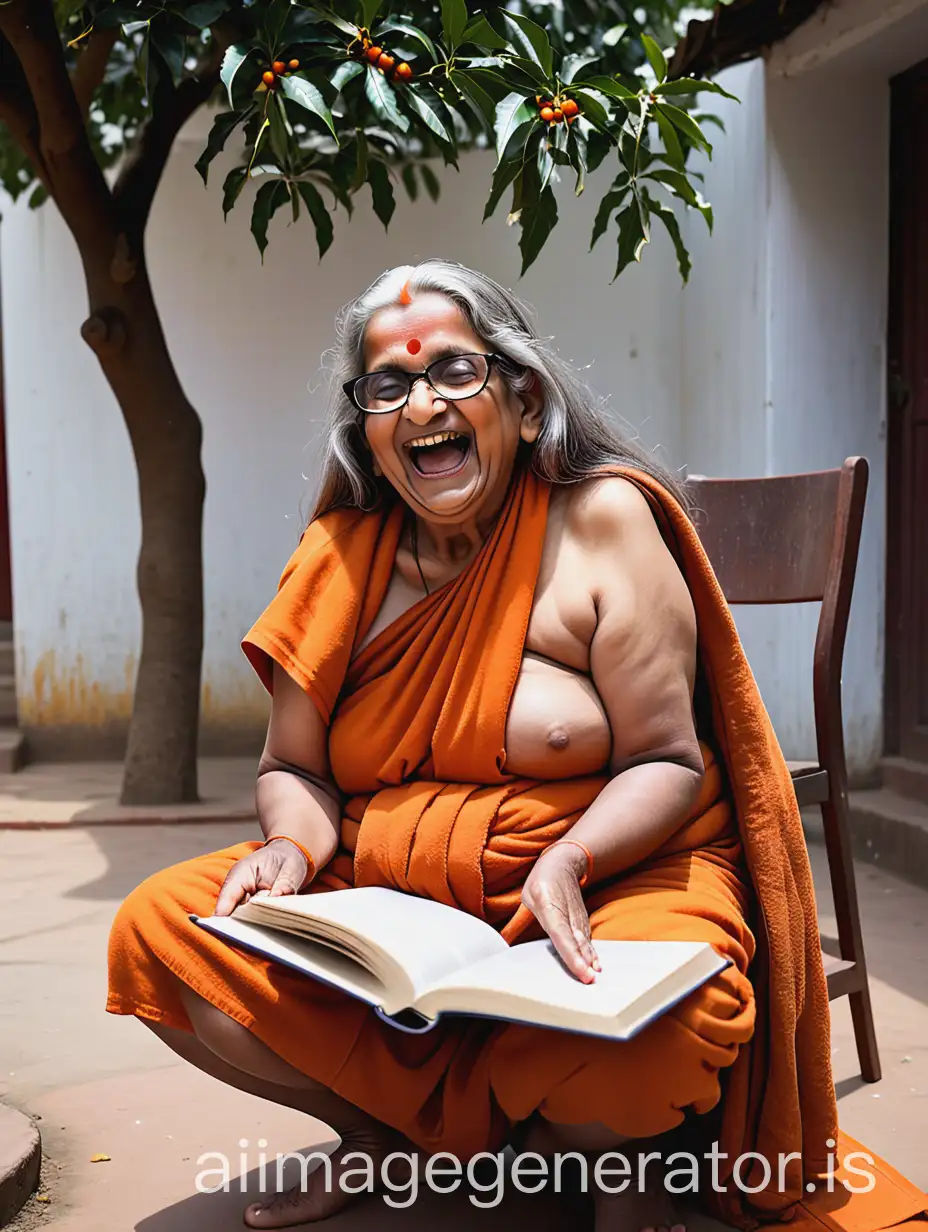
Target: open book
x=413, y=960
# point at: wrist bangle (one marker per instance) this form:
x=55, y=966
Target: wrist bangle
x=575, y=842
x=310, y=862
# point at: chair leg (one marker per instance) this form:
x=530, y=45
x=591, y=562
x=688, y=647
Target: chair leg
x=865, y=1034
x=844, y=889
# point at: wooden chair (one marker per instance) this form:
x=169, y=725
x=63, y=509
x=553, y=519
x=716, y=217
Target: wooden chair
x=795, y=539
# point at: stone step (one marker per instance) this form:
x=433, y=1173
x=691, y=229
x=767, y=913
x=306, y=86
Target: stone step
x=906, y=777
x=12, y=750
x=7, y=658
x=891, y=830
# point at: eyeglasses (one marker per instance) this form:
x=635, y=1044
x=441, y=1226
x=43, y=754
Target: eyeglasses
x=456, y=377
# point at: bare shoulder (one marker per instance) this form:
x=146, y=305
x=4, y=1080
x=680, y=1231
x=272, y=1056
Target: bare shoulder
x=607, y=510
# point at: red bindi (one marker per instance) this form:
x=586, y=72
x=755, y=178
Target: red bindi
x=413, y=346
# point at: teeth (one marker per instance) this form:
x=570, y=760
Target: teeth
x=436, y=438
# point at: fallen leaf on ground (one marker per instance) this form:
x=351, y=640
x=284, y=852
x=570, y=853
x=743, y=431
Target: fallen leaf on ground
x=99, y=1159
x=42, y=1198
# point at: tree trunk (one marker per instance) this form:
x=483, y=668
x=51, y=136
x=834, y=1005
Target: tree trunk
x=125, y=331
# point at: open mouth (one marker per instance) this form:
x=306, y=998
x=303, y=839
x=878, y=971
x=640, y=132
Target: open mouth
x=439, y=454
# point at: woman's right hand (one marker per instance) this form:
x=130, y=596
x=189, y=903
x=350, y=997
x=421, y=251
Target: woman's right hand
x=279, y=868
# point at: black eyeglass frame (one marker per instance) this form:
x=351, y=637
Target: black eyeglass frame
x=491, y=357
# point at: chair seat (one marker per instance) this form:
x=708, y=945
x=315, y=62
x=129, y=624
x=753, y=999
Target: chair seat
x=810, y=782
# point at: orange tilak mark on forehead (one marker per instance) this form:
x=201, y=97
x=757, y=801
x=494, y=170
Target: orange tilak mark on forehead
x=413, y=346
x=405, y=297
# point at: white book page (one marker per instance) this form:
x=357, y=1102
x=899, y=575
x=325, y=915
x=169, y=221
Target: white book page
x=415, y=940
x=530, y=980
x=301, y=954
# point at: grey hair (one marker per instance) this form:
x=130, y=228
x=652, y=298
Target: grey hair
x=577, y=435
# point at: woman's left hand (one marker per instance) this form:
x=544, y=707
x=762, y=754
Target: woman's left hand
x=552, y=894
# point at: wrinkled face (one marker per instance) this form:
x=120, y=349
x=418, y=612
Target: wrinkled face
x=449, y=460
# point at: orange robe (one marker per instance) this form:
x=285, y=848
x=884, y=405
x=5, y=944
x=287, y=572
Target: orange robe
x=417, y=743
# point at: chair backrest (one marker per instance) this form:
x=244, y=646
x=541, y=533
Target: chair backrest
x=791, y=539
x=782, y=539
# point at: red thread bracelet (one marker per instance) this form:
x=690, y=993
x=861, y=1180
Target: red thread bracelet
x=575, y=842
x=310, y=862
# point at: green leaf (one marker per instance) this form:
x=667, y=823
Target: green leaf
x=677, y=183
x=656, y=57
x=503, y=176
x=453, y=21
x=544, y=162
x=674, y=150
x=304, y=93
x=266, y=124
x=537, y=224
x=529, y=41
x=611, y=201
x=571, y=66
x=171, y=46
x=425, y=106
x=38, y=196
x=611, y=87
x=472, y=88
x=268, y=199
x=381, y=192
x=707, y=117
x=279, y=130
x=513, y=113
x=410, y=183
x=232, y=61
x=430, y=180
x=692, y=85
x=414, y=32
x=345, y=72
x=669, y=219
x=614, y=35
x=232, y=187
x=360, y=171
x=322, y=220
x=631, y=238
x=686, y=124
x=369, y=10
x=576, y=153
x=598, y=146
x=592, y=108
x=201, y=15
x=346, y=27
x=382, y=98
x=224, y=124
x=479, y=31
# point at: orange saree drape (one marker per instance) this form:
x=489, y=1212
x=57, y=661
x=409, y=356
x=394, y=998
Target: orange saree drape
x=417, y=743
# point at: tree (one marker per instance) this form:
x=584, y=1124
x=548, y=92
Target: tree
x=324, y=105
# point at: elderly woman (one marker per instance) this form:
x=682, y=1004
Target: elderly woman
x=486, y=642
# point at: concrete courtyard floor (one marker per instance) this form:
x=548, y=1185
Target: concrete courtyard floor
x=105, y=1085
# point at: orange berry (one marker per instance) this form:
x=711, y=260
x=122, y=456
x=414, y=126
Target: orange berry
x=569, y=107
x=268, y=78
x=404, y=71
x=373, y=53
x=547, y=114
x=558, y=115
x=279, y=67
x=293, y=65
x=386, y=62
x=571, y=119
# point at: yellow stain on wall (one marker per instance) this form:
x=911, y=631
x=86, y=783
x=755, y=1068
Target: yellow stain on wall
x=66, y=694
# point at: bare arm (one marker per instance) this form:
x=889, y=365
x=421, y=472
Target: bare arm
x=295, y=797
x=643, y=661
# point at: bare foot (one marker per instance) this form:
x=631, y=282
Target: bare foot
x=321, y=1198
x=636, y=1211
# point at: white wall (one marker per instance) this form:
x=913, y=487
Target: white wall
x=247, y=341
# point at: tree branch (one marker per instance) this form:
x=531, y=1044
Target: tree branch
x=75, y=179
x=17, y=111
x=138, y=180
x=91, y=66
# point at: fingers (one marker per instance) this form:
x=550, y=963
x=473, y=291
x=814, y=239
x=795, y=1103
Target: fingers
x=290, y=876
x=239, y=883
x=556, y=923
x=580, y=926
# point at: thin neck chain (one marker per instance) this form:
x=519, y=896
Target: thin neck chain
x=414, y=539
